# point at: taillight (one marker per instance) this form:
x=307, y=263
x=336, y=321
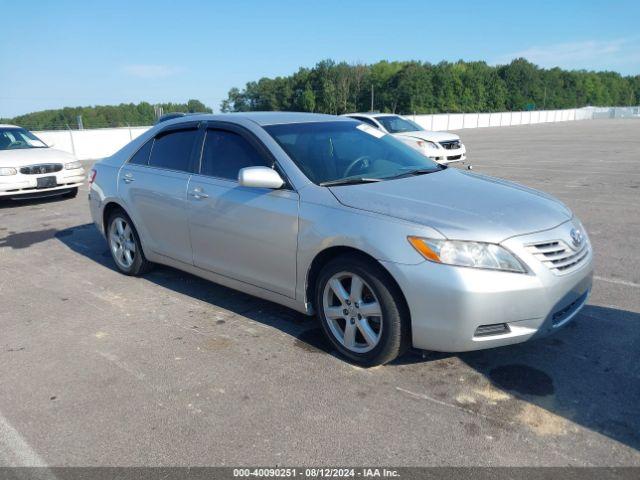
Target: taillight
x=92, y=176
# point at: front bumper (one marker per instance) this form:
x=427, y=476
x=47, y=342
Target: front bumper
x=444, y=156
x=448, y=304
x=20, y=184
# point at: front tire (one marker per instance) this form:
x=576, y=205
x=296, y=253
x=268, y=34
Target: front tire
x=361, y=311
x=125, y=246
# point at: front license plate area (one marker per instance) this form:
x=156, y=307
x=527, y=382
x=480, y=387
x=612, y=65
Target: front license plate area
x=46, y=182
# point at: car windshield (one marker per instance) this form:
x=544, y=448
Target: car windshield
x=334, y=151
x=396, y=124
x=18, y=138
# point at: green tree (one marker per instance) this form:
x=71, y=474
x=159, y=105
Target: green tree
x=196, y=106
x=101, y=116
x=414, y=87
x=307, y=100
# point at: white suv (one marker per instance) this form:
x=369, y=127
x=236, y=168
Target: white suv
x=443, y=147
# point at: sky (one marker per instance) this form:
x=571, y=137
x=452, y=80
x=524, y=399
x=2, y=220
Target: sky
x=80, y=53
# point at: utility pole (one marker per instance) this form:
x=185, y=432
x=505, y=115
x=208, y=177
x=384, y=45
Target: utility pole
x=157, y=110
x=79, y=120
x=371, y=97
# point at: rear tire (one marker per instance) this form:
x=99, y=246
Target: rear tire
x=125, y=246
x=362, y=311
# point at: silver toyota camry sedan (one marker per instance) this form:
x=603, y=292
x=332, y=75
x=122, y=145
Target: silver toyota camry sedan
x=330, y=216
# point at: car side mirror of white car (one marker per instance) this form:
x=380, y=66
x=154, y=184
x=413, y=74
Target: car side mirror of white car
x=260, y=177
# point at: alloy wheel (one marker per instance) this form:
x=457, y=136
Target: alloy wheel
x=353, y=312
x=122, y=243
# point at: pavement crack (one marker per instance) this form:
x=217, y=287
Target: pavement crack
x=422, y=396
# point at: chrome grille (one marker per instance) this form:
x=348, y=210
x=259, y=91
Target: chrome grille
x=493, y=329
x=558, y=257
x=41, y=168
x=451, y=145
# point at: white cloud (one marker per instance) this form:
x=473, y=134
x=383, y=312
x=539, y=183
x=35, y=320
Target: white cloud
x=588, y=54
x=151, y=71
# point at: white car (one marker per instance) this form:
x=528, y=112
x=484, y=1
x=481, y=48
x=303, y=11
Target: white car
x=443, y=147
x=30, y=168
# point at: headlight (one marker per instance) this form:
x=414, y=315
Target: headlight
x=467, y=254
x=73, y=165
x=7, y=171
x=427, y=144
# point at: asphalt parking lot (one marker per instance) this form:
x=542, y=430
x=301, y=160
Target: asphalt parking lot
x=101, y=369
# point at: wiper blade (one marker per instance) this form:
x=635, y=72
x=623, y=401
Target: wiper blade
x=349, y=181
x=417, y=171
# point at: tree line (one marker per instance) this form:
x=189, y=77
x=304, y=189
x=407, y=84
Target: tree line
x=420, y=87
x=398, y=87
x=100, y=116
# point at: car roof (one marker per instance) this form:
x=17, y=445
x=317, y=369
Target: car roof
x=373, y=114
x=6, y=125
x=261, y=118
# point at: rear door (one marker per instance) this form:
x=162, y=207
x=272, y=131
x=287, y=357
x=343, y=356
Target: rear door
x=153, y=184
x=248, y=234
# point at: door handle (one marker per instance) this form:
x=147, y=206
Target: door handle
x=198, y=194
x=128, y=178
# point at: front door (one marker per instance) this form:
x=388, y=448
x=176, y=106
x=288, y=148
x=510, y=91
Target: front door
x=248, y=234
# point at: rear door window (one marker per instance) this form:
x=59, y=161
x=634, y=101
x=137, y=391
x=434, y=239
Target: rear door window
x=173, y=150
x=368, y=121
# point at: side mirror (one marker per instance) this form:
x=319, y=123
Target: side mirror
x=260, y=177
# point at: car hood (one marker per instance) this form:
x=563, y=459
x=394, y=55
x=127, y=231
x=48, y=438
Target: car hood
x=29, y=156
x=430, y=136
x=461, y=205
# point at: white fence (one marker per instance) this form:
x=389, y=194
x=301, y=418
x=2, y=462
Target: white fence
x=89, y=144
x=102, y=142
x=458, y=121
